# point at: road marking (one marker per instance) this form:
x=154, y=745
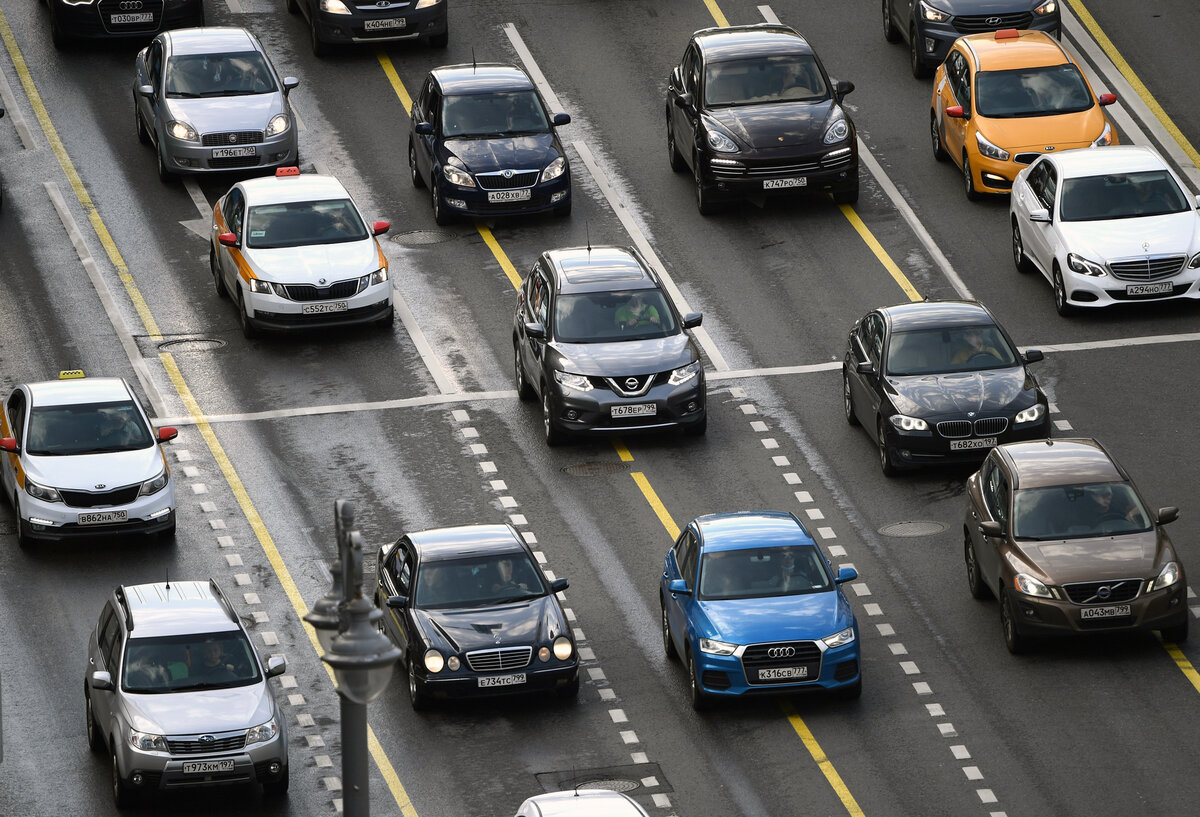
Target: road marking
x=880, y=253
x=514, y=277
x=390, y=71
x=823, y=761
x=14, y=113
x=201, y=226
x=659, y=509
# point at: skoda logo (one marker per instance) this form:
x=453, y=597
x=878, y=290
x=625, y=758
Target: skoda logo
x=321, y=281
x=994, y=21
x=781, y=652
x=232, y=138
x=631, y=383
x=384, y=3
x=207, y=739
x=1104, y=592
x=507, y=173
x=129, y=5
x=100, y=486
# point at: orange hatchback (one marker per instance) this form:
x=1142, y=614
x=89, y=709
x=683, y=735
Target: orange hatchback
x=1002, y=99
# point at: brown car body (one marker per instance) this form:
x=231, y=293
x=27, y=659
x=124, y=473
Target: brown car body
x=1036, y=536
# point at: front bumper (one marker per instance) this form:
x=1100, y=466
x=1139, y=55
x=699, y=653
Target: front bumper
x=387, y=26
x=1092, y=291
x=997, y=176
x=829, y=170
x=271, y=312
x=931, y=448
x=726, y=675
x=473, y=201
x=1053, y=617
x=94, y=21
x=157, y=771
x=934, y=39
x=464, y=683
x=192, y=157
x=57, y=521
x=592, y=411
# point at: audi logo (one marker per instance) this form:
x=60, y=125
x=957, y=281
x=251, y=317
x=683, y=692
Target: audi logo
x=994, y=21
x=129, y=5
x=781, y=652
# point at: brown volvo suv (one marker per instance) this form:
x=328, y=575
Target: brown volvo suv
x=1056, y=530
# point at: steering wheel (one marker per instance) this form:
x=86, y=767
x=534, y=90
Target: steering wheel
x=982, y=353
x=1112, y=516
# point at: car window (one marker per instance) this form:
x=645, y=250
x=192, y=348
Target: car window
x=871, y=337
x=758, y=572
x=185, y=662
x=1036, y=179
x=232, y=209
x=154, y=63
x=398, y=567
x=605, y=317
x=16, y=415
x=765, y=79
x=478, y=581
x=93, y=428
x=494, y=114
x=687, y=556
x=691, y=71
x=948, y=350
x=294, y=224
x=1079, y=511
x=109, y=638
x=539, y=297
x=1049, y=90
x=958, y=75
x=996, y=492
x=1122, y=195
x=1049, y=186
x=211, y=75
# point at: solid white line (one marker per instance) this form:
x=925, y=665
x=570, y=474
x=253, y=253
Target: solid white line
x=197, y=196
x=445, y=381
x=10, y=102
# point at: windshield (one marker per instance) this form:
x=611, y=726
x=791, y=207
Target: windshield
x=1122, y=195
x=783, y=78
x=950, y=350
x=1078, y=511
x=310, y=222
x=496, y=114
x=1045, y=91
x=96, y=428
x=481, y=581
x=233, y=74
x=758, y=572
x=604, y=317
x=189, y=662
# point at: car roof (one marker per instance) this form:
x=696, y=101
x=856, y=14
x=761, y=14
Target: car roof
x=79, y=391
x=1029, y=49
x=1114, y=159
x=1043, y=463
x=283, y=189
x=481, y=78
x=215, y=40
x=598, y=269
x=751, y=529
x=177, y=608
x=584, y=803
x=741, y=42
x=936, y=315
x=465, y=540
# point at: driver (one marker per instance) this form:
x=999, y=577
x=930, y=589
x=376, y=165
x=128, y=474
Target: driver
x=973, y=345
x=637, y=313
x=1101, y=508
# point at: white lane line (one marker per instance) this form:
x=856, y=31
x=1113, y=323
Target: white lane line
x=192, y=186
x=235, y=6
x=444, y=380
x=14, y=113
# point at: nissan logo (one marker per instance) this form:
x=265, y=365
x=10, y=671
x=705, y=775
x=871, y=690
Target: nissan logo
x=781, y=652
x=994, y=21
x=129, y=5
x=631, y=383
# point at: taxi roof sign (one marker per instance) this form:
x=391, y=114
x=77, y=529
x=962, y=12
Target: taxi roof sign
x=71, y=374
x=286, y=171
x=1008, y=34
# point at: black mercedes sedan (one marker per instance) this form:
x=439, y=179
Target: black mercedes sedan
x=484, y=144
x=598, y=340
x=474, y=615
x=939, y=382
x=751, y=111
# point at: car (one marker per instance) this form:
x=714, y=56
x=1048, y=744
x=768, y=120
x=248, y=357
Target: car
x=337, y=22
x=79, y=458
x=581, y=803
x=1059, y=534
x=752, y=112
x=749, y=601
x=474, y=615
x=938, y=382
x=602, y=346
x=293, y=251
x=72, y=20
x=484, y=144
x=930, y=27
x=209, y=100
x=1002, y=100
x=1106, y=227
x=177, y=697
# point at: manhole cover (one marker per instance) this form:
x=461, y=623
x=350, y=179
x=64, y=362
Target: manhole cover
x=913, y=529
x=610, y=785
x=594, y=469
x=191, y=345
x=417, y=237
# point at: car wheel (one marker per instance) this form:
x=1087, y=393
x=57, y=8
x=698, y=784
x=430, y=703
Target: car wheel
x=848, y=401
x=278, y=787
x=94, y=739
x=554, y=435
x=320, y=48
x=885, y=452
x=24, y=540
x=387, y=321
x=222, y=292
x=417, y=696
x=1060, y=293
x=1020, y=260
x=890, y=32
x=969, y=179
x=249, y=330
x=1014, y=639
x=524, y=390
x=122, y=793
x=852, y=692
x=975, y=584
x=677, y=163
x=847, y=196
x=57, y=36
x=142, y=135
x=164, y=174
x=167, y=534
x=704, y=197
x=935, y=138
x=413, y=172
x=698, y=428
x=920, y=68
x=668, y=644
x=700, y=699
x=1177, y=634
x=441, y=215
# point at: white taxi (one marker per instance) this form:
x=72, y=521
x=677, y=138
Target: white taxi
x=294, y=252
x=80, y=458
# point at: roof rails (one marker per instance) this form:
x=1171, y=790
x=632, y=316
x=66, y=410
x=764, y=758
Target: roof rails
x=225, y=605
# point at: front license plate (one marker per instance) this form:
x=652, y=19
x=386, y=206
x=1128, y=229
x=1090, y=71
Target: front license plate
x=1161, y=288
x=142, y=17
x=233, y=153
x=782, y=673
x=1115, y=611
x=776, y=184
x=207, y=766
x=319, y=309
x=502, y=680
x=635, y=410
x=376, y=25
x=103, y=517
x=968, y=445
x=508, y=195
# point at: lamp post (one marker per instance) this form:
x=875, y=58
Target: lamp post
x=362, y=657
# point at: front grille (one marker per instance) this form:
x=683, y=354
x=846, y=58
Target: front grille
x=86, y=499
x=983, y=427
x=976, y=23
x=233, y=162
x=499, y=660
x=621, y=385
x=991, y=426
x=497, y=181
x=194, y=746
x=804, y=653
x=231, y=139
x=790, y=167
x=1150, y=268
x=109, y=7
x=1119, y=591
x=308, y=292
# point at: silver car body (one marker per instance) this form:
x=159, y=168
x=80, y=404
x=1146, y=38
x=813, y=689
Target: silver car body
x=581, y=803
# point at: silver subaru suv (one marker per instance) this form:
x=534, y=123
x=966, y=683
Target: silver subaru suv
x=177, y=695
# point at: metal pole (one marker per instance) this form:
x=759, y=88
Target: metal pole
x=356, y=800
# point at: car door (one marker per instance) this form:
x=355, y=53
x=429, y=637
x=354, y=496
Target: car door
x=955, y=90
x=1042, y=236
x=865, y=345
x=681, y=563
x=233, y=211
x=685, y=114
x=427, y=109
x=536, y=310
x=995, y=502
x=107, y=658
x=150, y=106
x=396, y=579
x=13, y=426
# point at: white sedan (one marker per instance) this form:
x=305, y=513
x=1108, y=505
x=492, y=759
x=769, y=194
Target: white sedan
x=1106, y=226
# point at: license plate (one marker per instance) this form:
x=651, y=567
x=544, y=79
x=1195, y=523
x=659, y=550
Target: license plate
x=508, y=195
x=968, y=445
x=319, y=309
x=103, y=517
x=376, y=25
x=233, y=153
x=635, y=410
x=775, y=184
x=207, y=766
x=142, y=17
x=502, y=680
x=1104, y=612
x=1161, y=288
x=781, y=673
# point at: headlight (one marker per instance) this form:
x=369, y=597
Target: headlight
x=841, y=639
x=1195, y=262
x=838, y=130
x=1079, y=264
x=563, y=648
x=903, y=422
x=278, y=124
x=554, y=169
x=145, y=742
x=262, y=733
x=933, y=15
x=182, y=131
x=153, y=486
x=1030, y=415
x=989, y=150
x=77, y=2
x=1166, y=577
x=457, y=175
x=1105, y=138
x=573, y=381
x=261, y=287
x=1049, y=7
x=720, y=142
x=41, y=492
x=379, y=276
x=434, y=661
x=424, y=4
x=1030, y=586
x=334, y=7
x=684, y=373
x=716, y=647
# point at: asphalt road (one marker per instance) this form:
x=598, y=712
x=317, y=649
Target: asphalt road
x=420, y=427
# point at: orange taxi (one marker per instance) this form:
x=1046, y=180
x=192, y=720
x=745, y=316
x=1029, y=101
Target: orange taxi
x=1002, y=99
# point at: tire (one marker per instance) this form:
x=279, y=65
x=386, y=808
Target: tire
x=417, y=696
x=24, y=540
x=554, y=435
x=441, y=216
x=848, y=402
x=852, y=692
x=167, y=535
x=885, y=453
x=319, y=47
x=847, y=197
x=678, y=164
x=697, y=429
x=704, y=199
x=57, y=36
x=1020, y=260
x=95, y=738
x=969, y=180
x=524, y=390
x=975, y=584
x=385, y=323
x=249, y=331
x=701, y=700
x=123, y=795
x=890, y=32
x=142, y=135
x=1177, y=634
x=920, y=69
x=413, y=172
x=935, y=139
x=277, y=788
x=164, y=175
x=1014, y=639
x=1061, y=304
x=668, y=645
x=222, y=292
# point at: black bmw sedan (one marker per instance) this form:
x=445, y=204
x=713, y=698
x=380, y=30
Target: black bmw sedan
x=939, y=382
x=751, y=111
x=484, y=144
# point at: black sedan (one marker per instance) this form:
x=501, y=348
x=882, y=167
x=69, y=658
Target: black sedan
x=939, y=382
x=485, y=145
x=752, y=112
x=597, y=339
x=334, y=22
x=72, y=20
x=474, y=615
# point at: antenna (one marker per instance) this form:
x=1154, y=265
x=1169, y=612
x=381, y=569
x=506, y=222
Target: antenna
x=473, y=66
x=588, y=232
x=168, y=572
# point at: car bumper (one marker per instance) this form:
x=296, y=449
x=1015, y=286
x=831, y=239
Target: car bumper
x=592, y=411
x=724, y=674
x=1052, y=617
x=934, y=449
x=280, y=314
x=1099, y=291
x=472, y=201
x=152, y=771
x=934, y=39
x=55, y=521
x=341, y=28
x=94, y=21
x=189, y=157
x=466, y=684
x=996, y=176
x=773, y=172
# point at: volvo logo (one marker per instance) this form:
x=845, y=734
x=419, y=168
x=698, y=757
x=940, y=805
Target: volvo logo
x=507, y=173
x=994, y=21
x=129, y=5
x=232, y=138
x=1104, y=592
x=207, y=739
x=631, y=383
x=781, y=652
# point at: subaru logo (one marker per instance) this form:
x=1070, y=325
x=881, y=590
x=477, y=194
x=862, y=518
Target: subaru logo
x=781, y=652
x=994, y=22
x=207, y=739
x=129, y=5
x=631, y=383
x=232, y=138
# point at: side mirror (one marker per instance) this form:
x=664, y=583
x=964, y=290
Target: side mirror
x=1198, y=201
x=1165, y=515
x=101, y=680
x=686, y=100
x=146, y=90
x=289, y=83
x=692, y=319
x=423, y=128
x=1106, y=99
x=678, y=586
x=380, y=227
x=397, y=602
x=842, y=87
x=559, y=585
x=1033, y=355
x=276, y=665
x=990, y=528
x=535, y=330
x=1041, y=214
x=167, y=433
x=846, y=574
x=561, y=119
x=955, y=112
x=865, y=367
x=227, y=239
x=9, y=444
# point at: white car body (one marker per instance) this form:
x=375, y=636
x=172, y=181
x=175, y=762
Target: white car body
x=1094, y=260
x=581, y=803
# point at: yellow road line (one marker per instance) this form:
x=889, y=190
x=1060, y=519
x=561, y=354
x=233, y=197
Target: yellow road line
x=1185, y=666
x=622, y=451
x=823, y=762
x=716, y=13
x=514, y=277
x=880, y=253
x=656, y=504
x=394, y=79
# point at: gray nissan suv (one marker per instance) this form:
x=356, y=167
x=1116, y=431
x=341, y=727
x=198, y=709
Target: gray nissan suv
x=177, y=696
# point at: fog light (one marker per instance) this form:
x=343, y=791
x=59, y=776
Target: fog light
x=572, y=414
x=930, y=45
x=692, y=405
x=722, y=186
x=157, y=514
x=559, y=196
x=275, y=767
x=136, y=779
x=40, y=524
x=459, y=203
x=277, y=157
x=182, y=162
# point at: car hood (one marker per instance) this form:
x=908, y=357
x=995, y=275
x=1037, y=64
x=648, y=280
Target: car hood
x=1036, y=133
x=85, y=471
x=622, y=358
x=202, y=712
x=958, y=393
x=310, y=263
x=531, y=152
x=529, y=622
x=227, y=113
x=981, y=7
x=1133, y=237
x=776, y=125
x=1097, y=559
x=780, y=618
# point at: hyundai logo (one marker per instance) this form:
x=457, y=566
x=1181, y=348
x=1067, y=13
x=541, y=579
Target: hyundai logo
x=384, y=3
x=507, y=173
x=994, y=21
x=781, y=652
x=129, y=5
x=631, y=383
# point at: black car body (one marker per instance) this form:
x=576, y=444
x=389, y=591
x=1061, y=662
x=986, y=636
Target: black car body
x=928, y=394
x=466, y=630
x=751, y=111
x=930, y=27
x=119, y=19
x=593, y=372
x=345, y=22
x=485, y=145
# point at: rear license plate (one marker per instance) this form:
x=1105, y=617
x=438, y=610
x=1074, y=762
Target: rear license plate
x=207, y=766
x=782, y=673
x=635, y=410
x=376, y=25
x=1115, y=611
x=775, y=184
x=508, y=195
x=1161, y=288
x=143, y=17
x=320, y=309
x=103, y=517
x=502, y=680
x=968, y=445
x=233, y=153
